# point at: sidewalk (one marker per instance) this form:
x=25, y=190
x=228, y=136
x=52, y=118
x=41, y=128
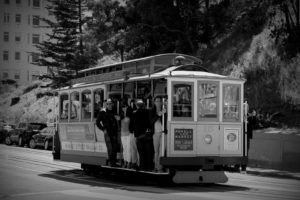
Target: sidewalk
x=273, y=173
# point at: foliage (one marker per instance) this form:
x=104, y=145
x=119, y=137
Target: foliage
x=64, y=51
x=289, y=81
x=242, y=21
x=273, y=85
x=286, y=30
x=31, y=87
x=142, y=28
x=107, y=26
x=9, y=82
x=42, y=94
x=14, y=101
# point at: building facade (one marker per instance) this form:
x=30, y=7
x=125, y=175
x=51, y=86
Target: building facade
x=20, y=29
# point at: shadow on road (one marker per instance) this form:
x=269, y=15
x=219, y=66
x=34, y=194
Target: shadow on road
x=137, y=182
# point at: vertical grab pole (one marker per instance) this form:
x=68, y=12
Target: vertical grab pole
x=246, y=109
x=55, y=123
x=163, y=130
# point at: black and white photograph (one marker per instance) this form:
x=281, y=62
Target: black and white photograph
x=150, y=99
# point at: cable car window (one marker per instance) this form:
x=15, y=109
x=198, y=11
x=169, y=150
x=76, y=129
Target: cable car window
x=160, y=87
x=86, y=104
x=75, y=105
x=115, y=91
x=208, y=100
x=64, y=106
x=129, y=92
x=182, y=100
x=98, y=101
x=231, y=102
x=144, y=90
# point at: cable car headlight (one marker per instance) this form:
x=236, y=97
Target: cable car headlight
x=231, y=137
x=208, y=139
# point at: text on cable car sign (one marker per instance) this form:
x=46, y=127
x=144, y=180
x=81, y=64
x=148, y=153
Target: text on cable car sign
x=183, y=139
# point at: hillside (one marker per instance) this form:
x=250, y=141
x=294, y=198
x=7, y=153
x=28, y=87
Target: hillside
x=29, y=107
x=248, y=43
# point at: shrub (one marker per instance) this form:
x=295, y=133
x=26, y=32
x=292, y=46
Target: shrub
x=31, y=87
x=42, y=94
x=9, y=82
x=14, y=101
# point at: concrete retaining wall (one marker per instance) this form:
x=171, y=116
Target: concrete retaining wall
x=276, y=149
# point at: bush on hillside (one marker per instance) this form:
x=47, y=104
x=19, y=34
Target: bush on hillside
x=42, y=94
x=14, y=101
x=31, y=87
x=273, y=86
x=9, y=82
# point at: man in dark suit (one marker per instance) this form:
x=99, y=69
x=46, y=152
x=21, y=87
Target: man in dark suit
x=107, y=122
x=139, y=125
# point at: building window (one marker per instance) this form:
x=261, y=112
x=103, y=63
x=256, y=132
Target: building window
x=6, y=2
x=28, y=19
x=35, y=57
x=17, y=55
x=6, y=18
x=28, y=3
x=18, y=2
x=35, y=38
x=18, y=37
x=6, y=37
x=34, y=77
x=36, y=3
x=17, y=75
x=5, y=55
x=5, y=75
x=18, y=18
x=36, y=20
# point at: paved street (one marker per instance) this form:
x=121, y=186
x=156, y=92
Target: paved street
x=32, y=174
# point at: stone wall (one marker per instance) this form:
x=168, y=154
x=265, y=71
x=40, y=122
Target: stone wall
x=276, y=149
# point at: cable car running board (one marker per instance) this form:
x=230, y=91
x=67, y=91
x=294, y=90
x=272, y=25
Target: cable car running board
x=200, y=177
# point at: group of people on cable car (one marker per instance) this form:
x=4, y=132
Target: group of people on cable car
x=141, y=133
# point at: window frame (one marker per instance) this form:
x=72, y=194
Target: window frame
x=18, y=19
x=6, y=18
x=94, y=116
x=239, y=102
x=209, y=119
x=35, y=18
x=6, y=36
x=78, y=114
x=36, y=38
x=17, y=76
x=5, y=75
x=83, y=118
x=192, y=85
x=35, y=57
x=18, y=56
x=34, y=2
x=18, y=35
x=61, y=106
x=5, y=56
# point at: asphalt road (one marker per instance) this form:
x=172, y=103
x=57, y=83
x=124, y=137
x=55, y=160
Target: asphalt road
x=31, y=174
